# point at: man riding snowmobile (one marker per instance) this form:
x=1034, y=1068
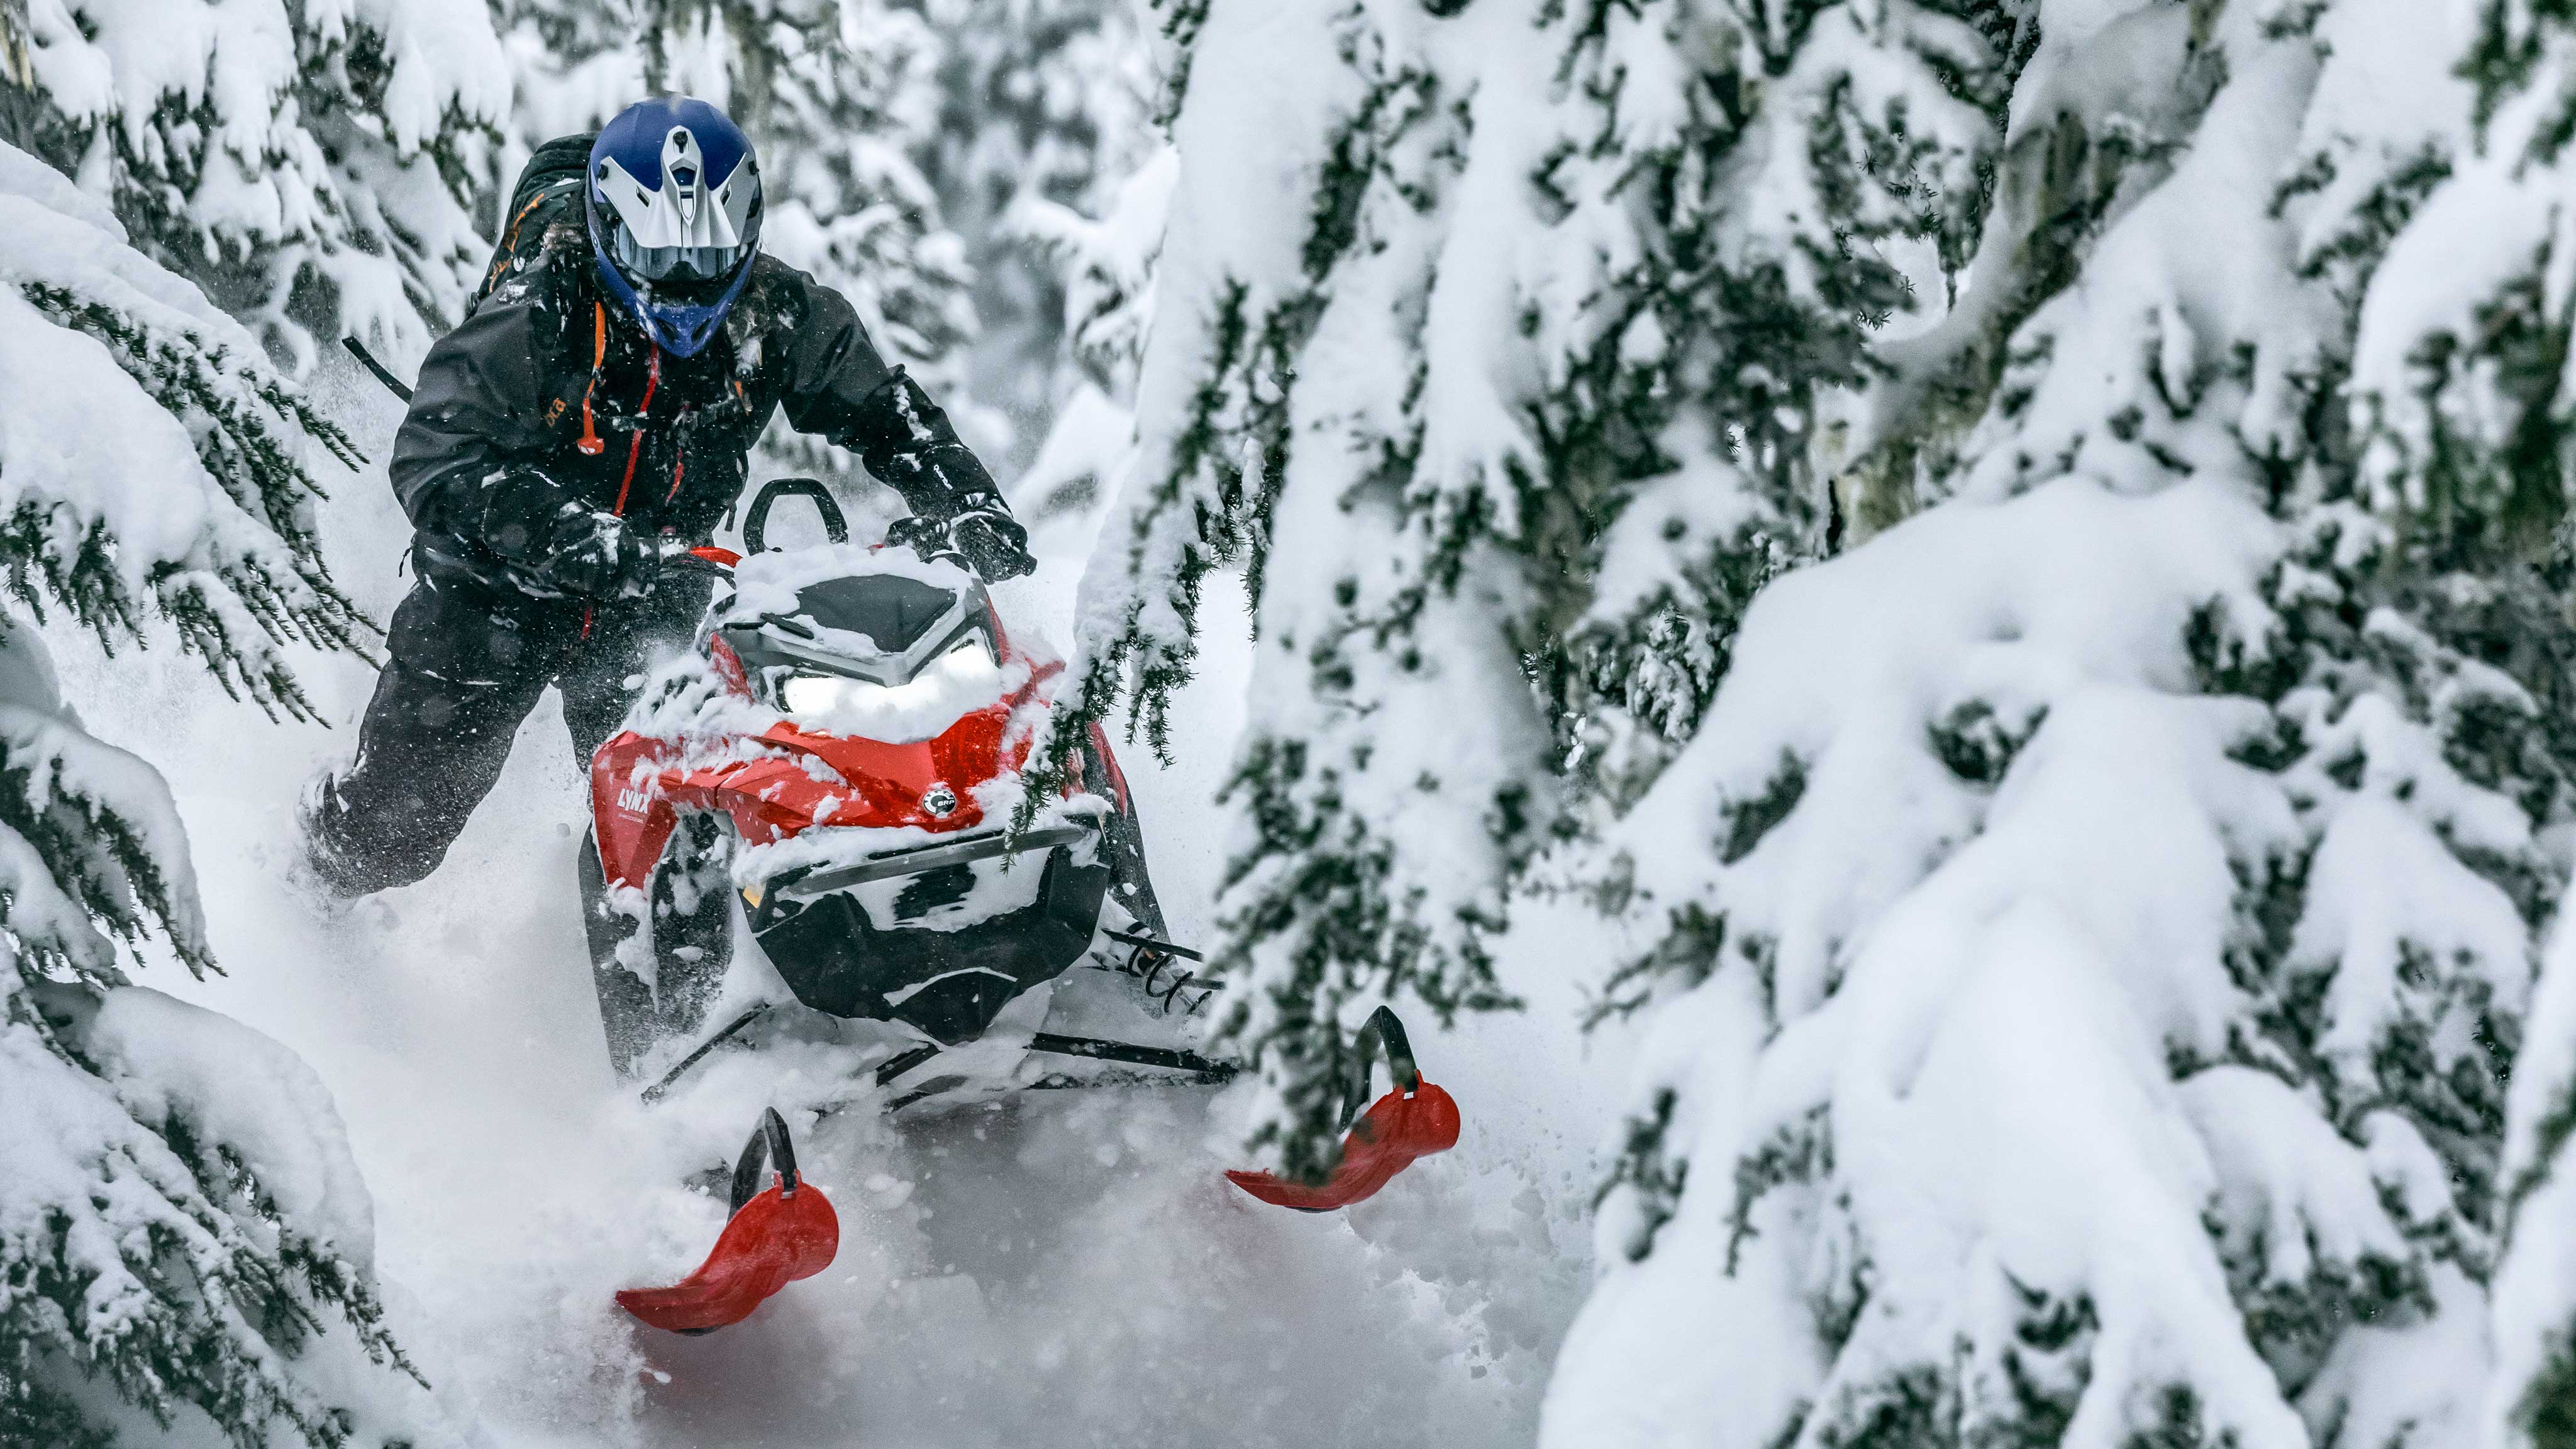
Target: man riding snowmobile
x=587, y=423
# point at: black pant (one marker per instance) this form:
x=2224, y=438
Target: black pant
x=466, y=662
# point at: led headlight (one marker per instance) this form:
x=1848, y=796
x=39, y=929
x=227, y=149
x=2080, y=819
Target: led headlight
x=822, y=694
x=969, y=665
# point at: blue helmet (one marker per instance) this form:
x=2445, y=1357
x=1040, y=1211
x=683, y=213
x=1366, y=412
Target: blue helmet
x=673, y=202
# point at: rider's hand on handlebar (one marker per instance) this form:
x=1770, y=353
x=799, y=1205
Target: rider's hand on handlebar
x=983, y=537
x=598, y=555
x=992, y=542
x=553, y=544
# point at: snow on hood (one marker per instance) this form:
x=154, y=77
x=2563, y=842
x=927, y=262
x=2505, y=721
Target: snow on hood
x=768, y=583
x=945, y=691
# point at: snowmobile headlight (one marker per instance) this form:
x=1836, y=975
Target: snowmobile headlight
x=967, y=671
x=822, y=694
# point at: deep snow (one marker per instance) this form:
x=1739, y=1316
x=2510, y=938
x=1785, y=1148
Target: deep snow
x=1073, y=1271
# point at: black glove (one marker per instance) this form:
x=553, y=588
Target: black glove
x=552, y=544
x=982, y=536
x=595, y=555
x=992, y=542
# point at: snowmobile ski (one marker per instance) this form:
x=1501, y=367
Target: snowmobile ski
x=1414, y=1119
x=775, y=1236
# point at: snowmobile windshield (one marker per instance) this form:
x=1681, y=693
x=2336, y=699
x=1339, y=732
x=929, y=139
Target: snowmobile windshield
x=883, y=629
x=893, y=612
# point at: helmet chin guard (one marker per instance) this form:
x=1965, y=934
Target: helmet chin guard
x=673, y=204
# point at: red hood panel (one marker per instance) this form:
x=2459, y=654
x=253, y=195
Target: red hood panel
x=803, y=781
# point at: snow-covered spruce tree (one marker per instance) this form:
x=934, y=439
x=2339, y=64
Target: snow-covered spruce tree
x=2463, y=358
x=185, y=1245
x=1044, y=104
x=842, y=98
x=312, y=167
x=2092, y=927
x=1489, y=335
x=1106, y=276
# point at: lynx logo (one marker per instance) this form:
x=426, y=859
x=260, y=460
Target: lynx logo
x=634, y=802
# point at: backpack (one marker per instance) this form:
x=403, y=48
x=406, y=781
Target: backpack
x=548, y=192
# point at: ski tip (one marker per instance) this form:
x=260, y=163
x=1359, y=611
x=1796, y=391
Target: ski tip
x=777, y=1237
x=1388, y=1138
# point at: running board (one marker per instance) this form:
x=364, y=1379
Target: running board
x=1202, y=1070
x=655, y=1092
x=1176, y=1059
x=1170, y=1059
x=1199, y=1071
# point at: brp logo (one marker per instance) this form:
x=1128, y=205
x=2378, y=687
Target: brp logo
x=939, y=800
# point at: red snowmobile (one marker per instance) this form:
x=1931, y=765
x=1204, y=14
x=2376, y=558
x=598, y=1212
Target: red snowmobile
x=854, y=727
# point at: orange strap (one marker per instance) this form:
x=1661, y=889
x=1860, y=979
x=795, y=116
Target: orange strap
x=589, y=442
x=510, y=239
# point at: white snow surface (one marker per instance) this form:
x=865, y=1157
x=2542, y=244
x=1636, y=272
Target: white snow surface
x=1072, y=1272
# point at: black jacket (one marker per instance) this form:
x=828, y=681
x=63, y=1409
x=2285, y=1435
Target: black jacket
x=547, y=371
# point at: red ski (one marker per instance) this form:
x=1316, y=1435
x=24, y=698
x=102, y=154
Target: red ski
x=1415, y=1119
x=776, y=1235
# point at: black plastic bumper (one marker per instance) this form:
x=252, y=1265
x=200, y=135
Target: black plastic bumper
x=949, y=983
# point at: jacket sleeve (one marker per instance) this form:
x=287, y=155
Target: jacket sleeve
x=475, y=409
x=840, y=389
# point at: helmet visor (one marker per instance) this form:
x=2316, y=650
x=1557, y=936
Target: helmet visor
x=672, y=264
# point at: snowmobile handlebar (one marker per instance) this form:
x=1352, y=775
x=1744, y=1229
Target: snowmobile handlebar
x=676, y=553
x=755, y=523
